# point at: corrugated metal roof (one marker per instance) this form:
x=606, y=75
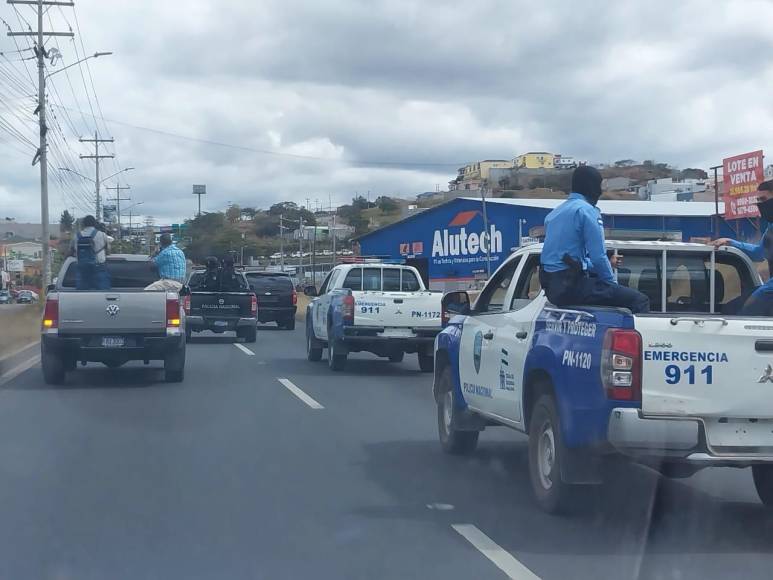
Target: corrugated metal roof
x=618, y=207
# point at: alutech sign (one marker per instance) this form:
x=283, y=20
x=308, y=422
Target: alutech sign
x=466, y=240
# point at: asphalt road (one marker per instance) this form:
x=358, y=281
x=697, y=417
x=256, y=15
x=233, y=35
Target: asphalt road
x=234, y=474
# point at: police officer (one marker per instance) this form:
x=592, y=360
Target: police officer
x=760, y=303
x=575, y=267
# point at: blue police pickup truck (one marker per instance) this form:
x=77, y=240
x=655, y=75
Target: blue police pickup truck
x=687, y=386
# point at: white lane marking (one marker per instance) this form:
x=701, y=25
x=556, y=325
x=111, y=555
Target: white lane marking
x=244, y=349
x=300, y=394
x=19, y=369
x=18, y=350
x=501, y=558
x=441, y=507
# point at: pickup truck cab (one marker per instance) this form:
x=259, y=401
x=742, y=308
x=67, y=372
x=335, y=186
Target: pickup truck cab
x=230, y=307
x=687, y=386
x=114, y=326
x=380, y=308
x=277, y=298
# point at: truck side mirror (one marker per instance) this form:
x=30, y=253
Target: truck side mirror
x=310, y=291
x=454, y=303
x=50, y=288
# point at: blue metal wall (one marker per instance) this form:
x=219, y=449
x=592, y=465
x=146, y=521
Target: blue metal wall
x=448, y=228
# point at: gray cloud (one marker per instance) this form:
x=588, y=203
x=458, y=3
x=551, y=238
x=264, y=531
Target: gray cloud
x=411, y=82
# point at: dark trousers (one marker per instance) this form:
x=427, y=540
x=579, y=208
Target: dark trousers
x=569, y=288
x=760, y=303
x=92, y=277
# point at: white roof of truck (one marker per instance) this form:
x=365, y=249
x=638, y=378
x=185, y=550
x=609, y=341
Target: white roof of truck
x=618, y=207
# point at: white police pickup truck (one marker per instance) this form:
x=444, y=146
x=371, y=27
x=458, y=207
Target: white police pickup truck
x=687, y=386
x=374, y=307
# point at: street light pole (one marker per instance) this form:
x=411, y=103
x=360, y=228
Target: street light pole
x=716, y=199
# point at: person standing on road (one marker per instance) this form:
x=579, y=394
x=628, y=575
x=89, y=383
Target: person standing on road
x=171, y=265
x=90, y=247
x=760, y=303
x=575, y=269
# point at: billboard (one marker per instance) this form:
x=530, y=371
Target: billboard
x=15, y=265
x=741, y=175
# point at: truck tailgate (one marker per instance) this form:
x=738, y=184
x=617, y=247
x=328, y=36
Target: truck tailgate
x=397, y=309
x=106, y=312
x=221, y=304
x=713, y=368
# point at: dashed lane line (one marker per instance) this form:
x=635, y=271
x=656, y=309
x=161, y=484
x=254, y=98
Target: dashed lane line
x=501, y=558
x=288, y=384
x=244, y=349
x=18, y=369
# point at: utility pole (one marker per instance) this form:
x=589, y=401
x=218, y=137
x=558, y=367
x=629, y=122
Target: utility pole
x=42, y=154
x=281, y=243
x=486, y=228
x=96, y=157
x=716, y=199
x=332, y=230
x=118, y=199
x=300, y=247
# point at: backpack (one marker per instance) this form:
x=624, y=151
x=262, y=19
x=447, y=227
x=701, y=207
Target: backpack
x=85, y=249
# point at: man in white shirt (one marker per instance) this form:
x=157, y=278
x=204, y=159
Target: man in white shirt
x=90, y=247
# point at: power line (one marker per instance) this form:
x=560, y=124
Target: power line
x=280, y=153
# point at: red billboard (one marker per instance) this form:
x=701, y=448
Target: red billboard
x=741, y=176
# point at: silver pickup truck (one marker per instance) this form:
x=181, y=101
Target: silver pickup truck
x=114, y=326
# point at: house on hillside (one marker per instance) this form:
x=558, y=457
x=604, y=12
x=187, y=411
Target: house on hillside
x=535, y=160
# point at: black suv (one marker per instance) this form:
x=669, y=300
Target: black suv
x=277, y=299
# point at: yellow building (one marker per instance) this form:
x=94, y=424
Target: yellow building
x=482, y=169
x=535, y=160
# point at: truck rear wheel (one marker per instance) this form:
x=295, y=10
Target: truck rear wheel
x=763, y=481
x=336, y=360
x=397, y=357
x=288, y=324
x=174, y=366
x=248, y=333
x=546, y=453
x=53, y=367
x=313, y=346
x=426, y=362
x=452, y=441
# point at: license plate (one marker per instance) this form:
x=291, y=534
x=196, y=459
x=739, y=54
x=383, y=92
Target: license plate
x=220, y=323
x=112, y=341
x=397, y=332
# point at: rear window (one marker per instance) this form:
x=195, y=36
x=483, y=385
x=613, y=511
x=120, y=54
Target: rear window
x=353, y=280
x=391, y=280
x=371, y=279
x=410, y=282
x=263, y=283
x=127, y=274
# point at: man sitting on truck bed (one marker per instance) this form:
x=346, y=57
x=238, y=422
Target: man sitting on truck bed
x=170, y=261
x=575, y=268
x=760, y=303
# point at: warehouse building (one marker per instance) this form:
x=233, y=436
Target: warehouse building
x=454, y=245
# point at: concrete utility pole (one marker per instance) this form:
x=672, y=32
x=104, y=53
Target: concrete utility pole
x=486, y=228
x=41, y=156
x=281, y=243
x=118, y=199
x=300, y=247
x=96, y=157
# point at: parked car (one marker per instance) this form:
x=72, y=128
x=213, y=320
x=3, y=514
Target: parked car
x=5, y=297
x=277, y=297
x=26, y=297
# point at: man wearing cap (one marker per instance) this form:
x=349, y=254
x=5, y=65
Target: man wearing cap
x=171, y=265
x=575, y=269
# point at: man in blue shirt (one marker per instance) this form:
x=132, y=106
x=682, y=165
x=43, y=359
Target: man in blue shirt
x=575, y=267
x=171, y=265
x=760, y=303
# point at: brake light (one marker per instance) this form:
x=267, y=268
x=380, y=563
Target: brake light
x=172, y=312
x=51, y=313
x=621, y=364
x=187, y=304
x=295, y=297
x=254, y=304
x=347, y=309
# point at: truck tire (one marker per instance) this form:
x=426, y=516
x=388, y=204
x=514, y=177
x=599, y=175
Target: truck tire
x=546, y=451
x=452, y=441
x=188, y=334
x=313, y=346
x=174, y=366
x=426, y=362
x=248, y=333
x=289, y=324
x=335, y=359
x=397, y=357
x=763, y=481
x=53, y=366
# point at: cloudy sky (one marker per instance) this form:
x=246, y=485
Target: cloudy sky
x=322, y=99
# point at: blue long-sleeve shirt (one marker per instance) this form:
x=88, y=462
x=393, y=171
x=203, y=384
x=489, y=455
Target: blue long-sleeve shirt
x=757, y=252
x=575, y=227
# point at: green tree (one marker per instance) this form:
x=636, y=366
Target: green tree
x=66, y=221
x=233, y=214
x=387, y=204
